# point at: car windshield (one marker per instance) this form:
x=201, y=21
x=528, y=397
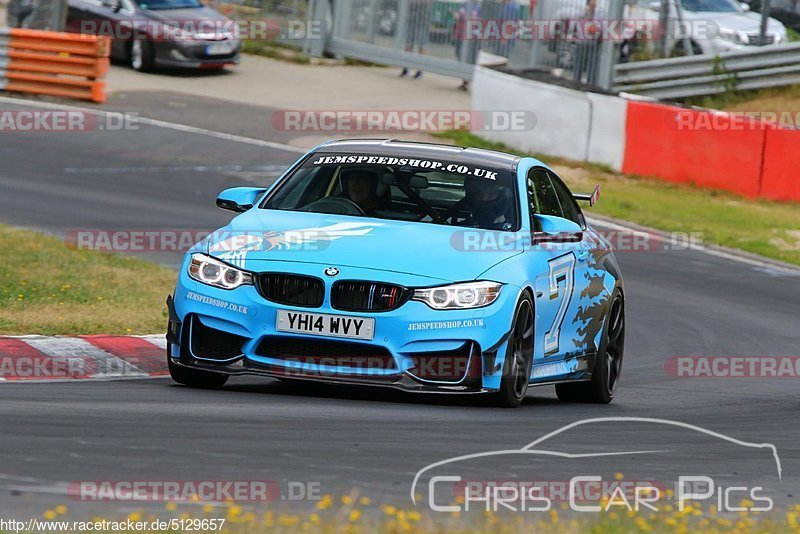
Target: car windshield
x=401, y=188
x=156, y=5
x=714, y=6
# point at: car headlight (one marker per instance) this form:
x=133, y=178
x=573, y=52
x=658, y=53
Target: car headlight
x=215, y=273
x=459, y=296
x=734, y=37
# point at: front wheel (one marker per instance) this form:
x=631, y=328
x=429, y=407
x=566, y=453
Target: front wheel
x=142, y=55
x=519, y=357
x=195, y=378
x=607, y=363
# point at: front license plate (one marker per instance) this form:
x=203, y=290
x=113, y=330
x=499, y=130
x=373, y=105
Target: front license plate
x=322, y=324
x=219, y=49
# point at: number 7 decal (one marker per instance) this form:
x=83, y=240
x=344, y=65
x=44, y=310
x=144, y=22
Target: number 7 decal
x=562, y=269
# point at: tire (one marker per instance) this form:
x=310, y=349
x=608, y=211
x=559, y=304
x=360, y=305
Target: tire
x=142, y=55
x=195, y=378
x=678, y=50
x=607, y=364
x=519, y=357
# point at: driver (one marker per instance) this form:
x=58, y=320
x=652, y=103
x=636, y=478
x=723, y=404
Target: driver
x=361, y=186
x=487, y=204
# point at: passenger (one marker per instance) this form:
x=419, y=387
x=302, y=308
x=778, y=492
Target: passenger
x=485, y=204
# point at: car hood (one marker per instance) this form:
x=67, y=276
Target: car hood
x=195, y=15
x=433, y=251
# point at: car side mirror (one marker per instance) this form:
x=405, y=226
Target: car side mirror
x=239, y=199
x=552, y=229
x=744, y=6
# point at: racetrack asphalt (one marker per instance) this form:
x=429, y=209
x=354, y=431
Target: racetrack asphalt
x=679, y=303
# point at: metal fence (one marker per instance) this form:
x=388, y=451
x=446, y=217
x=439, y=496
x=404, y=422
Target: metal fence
x=34, y=14
x=450, y=36
x=761, y=67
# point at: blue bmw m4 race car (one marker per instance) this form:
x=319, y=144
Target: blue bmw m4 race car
x=417, y=266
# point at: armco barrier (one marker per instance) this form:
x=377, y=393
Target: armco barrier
x=656, y=144
x=53, y=63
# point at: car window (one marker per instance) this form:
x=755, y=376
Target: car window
x=410, y=189
x=711, y=6
x=155, y=5
x=542, y=196
x=567, y=201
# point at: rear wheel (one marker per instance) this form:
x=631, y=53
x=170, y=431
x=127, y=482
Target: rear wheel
x=195, y=378
x=519, y=357
x=608, y=362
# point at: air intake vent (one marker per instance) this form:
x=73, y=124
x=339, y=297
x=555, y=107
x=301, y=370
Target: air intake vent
x=327, y=352
x=367, y=296
x=291, y=289
x=212, y=344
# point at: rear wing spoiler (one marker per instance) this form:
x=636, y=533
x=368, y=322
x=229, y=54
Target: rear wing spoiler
x=591, y=198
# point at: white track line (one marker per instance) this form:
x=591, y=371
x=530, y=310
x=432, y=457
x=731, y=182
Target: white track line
x=712, y=250
x=155, y=122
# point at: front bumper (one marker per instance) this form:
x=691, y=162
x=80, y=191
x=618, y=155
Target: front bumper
x=426, y=350
x=193, y=54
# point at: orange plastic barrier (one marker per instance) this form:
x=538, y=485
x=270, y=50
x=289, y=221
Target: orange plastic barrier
x=705, y=148
x=54, y=63
x=780, y=178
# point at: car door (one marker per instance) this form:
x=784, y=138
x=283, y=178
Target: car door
x=560, y=282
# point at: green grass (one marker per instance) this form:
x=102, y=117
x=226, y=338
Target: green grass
x=48, y=288
x=770, y=229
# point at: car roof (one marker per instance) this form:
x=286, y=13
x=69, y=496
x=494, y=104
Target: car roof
x=416, y=149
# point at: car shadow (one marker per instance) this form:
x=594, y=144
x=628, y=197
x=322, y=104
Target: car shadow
x=382, y=394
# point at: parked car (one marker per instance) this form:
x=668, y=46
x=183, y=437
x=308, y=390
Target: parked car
x=732, y=26
x=712, y=26
x=159, y=33
x=786, y=11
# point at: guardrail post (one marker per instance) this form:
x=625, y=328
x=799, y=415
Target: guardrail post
x=320, y=14
x=609, y=48
x=402, y=25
